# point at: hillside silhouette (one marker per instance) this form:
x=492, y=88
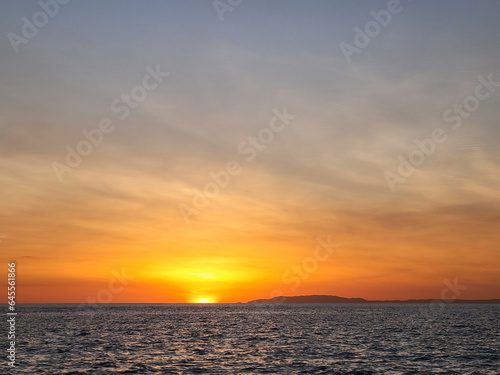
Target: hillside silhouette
x=337, y=299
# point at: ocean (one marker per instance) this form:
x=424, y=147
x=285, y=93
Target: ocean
x=257, y=339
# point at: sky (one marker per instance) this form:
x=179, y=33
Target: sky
x=173, y=202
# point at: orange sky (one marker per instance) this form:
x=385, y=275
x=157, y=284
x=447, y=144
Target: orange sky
x=327, y=132
x=241, y=248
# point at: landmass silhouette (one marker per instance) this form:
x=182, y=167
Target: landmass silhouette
x=337, y=299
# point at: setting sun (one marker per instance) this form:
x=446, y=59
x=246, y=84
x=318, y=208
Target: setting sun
x=204, y=300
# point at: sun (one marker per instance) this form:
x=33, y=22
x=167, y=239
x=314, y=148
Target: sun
x=204, y=300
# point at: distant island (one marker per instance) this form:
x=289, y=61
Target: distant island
x=336, y=299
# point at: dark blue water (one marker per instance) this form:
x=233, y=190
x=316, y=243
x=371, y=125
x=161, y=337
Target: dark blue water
x=249, y=339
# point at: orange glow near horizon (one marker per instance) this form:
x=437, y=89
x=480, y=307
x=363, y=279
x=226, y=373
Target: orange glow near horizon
x=222, y=265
